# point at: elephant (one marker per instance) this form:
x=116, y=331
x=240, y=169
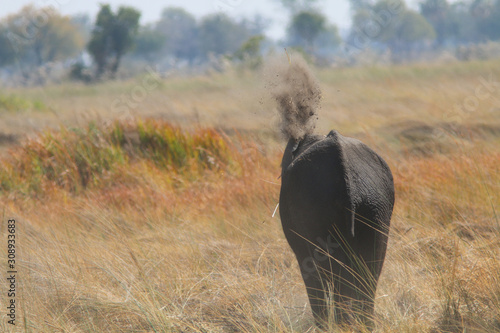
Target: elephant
x=335, y=204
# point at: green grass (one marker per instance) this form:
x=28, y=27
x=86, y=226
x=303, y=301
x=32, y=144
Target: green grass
x=15, y=103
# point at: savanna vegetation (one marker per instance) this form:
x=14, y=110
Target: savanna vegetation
x=148, y=205
x=42, y=46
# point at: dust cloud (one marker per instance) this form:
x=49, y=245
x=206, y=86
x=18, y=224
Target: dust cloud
x=297, y=94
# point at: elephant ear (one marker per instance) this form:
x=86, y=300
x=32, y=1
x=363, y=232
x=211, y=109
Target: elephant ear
x=351, y=207
x=368, y=179
x=316, y=176
x=350, y=199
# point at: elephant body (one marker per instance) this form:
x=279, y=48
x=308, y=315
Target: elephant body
x=336, y=202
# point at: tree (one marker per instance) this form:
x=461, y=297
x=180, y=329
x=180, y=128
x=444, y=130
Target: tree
x=328, y=40
x=113, y=35
x=389, y=24
x=220, y=35
x=357, y=5
x=457, y=22
x=100, y=44
x=37, y=36
x=124, y=31
x=305, y=28
x=296, y=6
x=462, y=25
x=463, y=22
x=149, y=43
x=401, y=28
x=487, y=14
x=436, y=12
x=256, y=25
x=181, y=33
x=249, y=53
x=414, y=28
x=58, y=39
x=83, y=23
x=7, y=54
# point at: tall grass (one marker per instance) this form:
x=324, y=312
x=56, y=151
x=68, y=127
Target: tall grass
x=442, y=266
x=148, y=227
x=153, y=243
x=151, y=233
x=75, y=159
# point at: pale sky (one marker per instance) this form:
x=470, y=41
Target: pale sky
x=337, y=11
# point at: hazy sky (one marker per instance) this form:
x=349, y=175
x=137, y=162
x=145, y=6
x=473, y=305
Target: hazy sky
x=337, y=11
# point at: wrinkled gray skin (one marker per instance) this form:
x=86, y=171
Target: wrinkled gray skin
x=336, y=203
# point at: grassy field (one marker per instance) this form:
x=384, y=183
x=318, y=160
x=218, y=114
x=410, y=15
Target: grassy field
x=147, y=205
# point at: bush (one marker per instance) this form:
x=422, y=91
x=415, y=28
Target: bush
x=79, y=72
x=74, y=159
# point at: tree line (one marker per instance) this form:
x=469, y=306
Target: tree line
x=37, y=36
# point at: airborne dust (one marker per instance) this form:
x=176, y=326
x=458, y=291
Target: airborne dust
x=297, y=94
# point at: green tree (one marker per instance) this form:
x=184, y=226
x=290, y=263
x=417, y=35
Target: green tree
x=462, y=25
x=249, y=53
x=436, y=12
x=389, y=24
x=329, y=39
x=401, y=28
x=487, y=15
x=296, y=6
x=113, y=35
x=7, y=54
x=220, y=35
x=100, y=44
x=149, y=43
x=305, y=28
x=181, y=33
x=124, y=32
x=414, y=28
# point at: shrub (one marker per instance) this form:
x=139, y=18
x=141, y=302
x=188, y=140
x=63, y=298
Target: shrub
x=74, y=159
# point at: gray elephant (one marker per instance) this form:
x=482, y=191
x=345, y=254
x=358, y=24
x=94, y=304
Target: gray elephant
x=336, y=202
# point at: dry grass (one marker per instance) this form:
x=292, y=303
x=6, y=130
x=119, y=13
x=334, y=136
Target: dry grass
x=148, y=244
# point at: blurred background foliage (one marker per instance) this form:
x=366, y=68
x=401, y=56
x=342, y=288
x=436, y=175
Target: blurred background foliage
x=40, y=45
